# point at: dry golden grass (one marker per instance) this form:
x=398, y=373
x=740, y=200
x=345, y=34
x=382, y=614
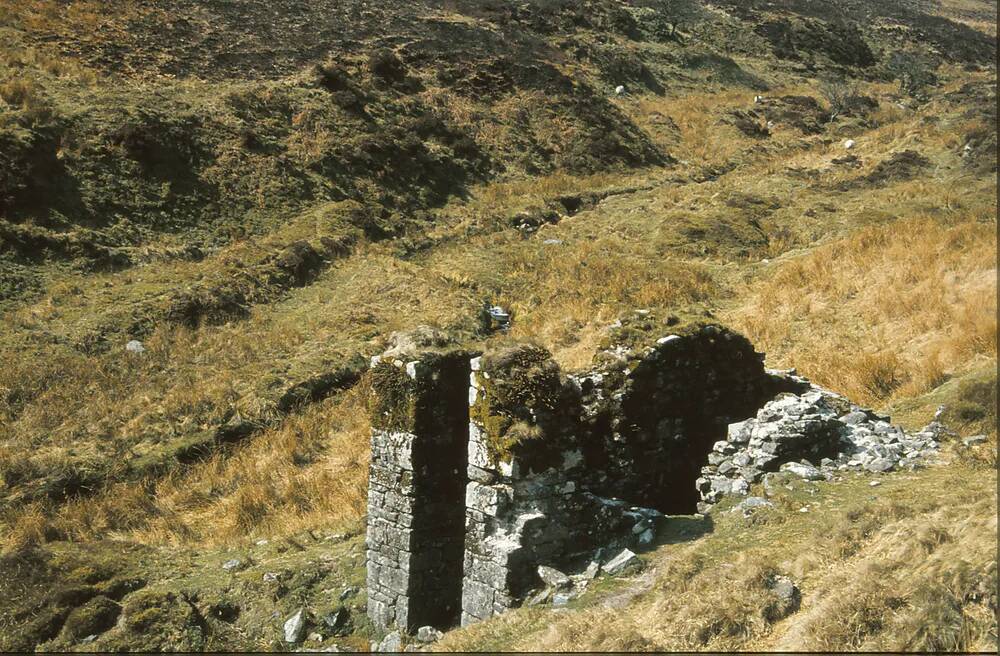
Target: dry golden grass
x=702, y=139
x=977, y=14
x=45, y=17
x=311, y=471
x=889, y=310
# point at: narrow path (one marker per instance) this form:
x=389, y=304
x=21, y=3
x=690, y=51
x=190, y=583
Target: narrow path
x=642, y=583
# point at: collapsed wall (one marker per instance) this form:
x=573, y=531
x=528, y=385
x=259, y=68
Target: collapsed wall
x=526, y=502
x=653, y=412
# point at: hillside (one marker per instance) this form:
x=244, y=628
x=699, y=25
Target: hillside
x=255, y=196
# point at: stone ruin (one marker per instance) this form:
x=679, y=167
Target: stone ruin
x=491, y=471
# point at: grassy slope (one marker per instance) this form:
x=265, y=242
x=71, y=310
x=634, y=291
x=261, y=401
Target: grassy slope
x=882, y=289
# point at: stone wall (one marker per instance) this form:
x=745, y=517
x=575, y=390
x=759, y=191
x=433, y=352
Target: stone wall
x=525, y=505
x=654, y=411
x=416, y=494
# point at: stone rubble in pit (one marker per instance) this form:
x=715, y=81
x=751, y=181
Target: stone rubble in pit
x=812, y=435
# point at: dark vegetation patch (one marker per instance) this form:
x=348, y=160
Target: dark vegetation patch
x=750, y=122
x=806, y=39
x=160, y=620
x=724, y=69
x=845, y=99
x=823, y=20
x=249, y=283
x=549, y=17
x=95, y=250
x=44, y=596
x=901, y=166
x=803, y=113
x=93, y=617
x=617, y=65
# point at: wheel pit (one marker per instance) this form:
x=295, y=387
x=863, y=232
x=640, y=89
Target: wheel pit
x=484, y=468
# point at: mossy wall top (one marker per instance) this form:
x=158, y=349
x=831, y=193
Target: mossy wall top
x=522, y=398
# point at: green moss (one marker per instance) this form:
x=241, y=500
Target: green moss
x=95, y=616
x=392, y=402
x=155, y=620
x=640, y=329
x=512, y=382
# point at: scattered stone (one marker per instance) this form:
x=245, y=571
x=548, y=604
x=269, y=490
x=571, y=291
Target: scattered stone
x=232, y=564
x=625, y=560
x=854, y=418
x=428, y=634
x=803, y=471
x=562, y=598
x=620, y=90
x=337, y=620
x=539, y=598
x=270, y=577
x=786, y=599
x=261, y=542
x=770, y=485
x=793, y=432
x=974, y=440
x=590, y=573
x=553, y=577
x=348, y=593
x=295, y=627
x=499, y=318
x=880, y=465
x=392, y=642
x=849, y=144
x=89, y=639
x=552, y=242
x=751, y=504
x=874, y=483
x=135, y=346
x=315, y=637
